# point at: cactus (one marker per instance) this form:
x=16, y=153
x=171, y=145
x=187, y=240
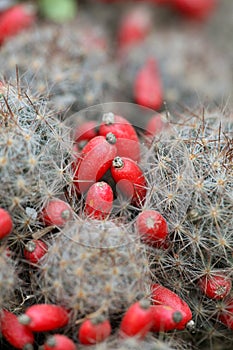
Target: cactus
x=33, y=147
x=69, y=62
x=201, y=235
x=94, y=265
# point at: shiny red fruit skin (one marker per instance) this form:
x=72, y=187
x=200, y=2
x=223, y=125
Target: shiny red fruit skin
x=162, y=295
x=39, y=250
x=137, y=321
x=6, y=224
x=14, y=332
x=196, y=9
x=13, y=20
x=148, y=90
x=127, y=143
x=56, y=213
x=45, y=317
x=99, y=201
x=59, y=342
x=226, y=314
x=96, y=158
x=86, y=131
x=130, y=181
x=134, y=27
x=215, y=286
x=164, y=318
x=152, y=227
x=92, y=333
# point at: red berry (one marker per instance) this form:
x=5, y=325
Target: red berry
x=94, y=331
x=15, y=19
x=137, y=320
x=35, y=250
x=152, y=227
x=86, y=131
x=127, y=141
x=14, y=332
x=96, y=158
x=6, y=224
x=99, y=200
x=56, y=213
x=148, y=89
x=129, y=180
x=165, y=318
x=164, y=296
x=226, y=314
x=215, y=286
x=197, y=9
x=134, y=27
x=59, y=342
x=44, y=317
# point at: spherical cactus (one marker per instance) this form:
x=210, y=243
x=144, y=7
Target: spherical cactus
x=70, y=62
x=33, y=147
x=94, y=265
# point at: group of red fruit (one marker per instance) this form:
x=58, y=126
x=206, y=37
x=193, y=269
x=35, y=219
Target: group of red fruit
x=197, y=9
x=106, y=157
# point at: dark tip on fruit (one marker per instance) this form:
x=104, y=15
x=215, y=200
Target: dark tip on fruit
x=28, y=347
x=111, y=138
x=177, y=316
x=108, y=118
x=144, y=304
x=24, y=319
x=66, y=214
x=30, y=246
x=98, y=319
x=117, y=162
x=51, y=341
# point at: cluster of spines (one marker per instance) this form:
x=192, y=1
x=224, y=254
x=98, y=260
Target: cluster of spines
x=201, y=235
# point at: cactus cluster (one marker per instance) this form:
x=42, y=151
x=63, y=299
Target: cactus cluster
x=70, y=62
x=33, y=148
x=193, y=190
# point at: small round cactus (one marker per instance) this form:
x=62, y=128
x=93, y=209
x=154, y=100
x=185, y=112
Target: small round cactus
x=94, y=265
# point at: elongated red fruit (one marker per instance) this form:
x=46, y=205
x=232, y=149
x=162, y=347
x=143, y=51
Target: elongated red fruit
x=226, y=314
x=56, y=213
x=152, y=227
x=164, y=296
x=35, y=250
x=148, y=90
x=44, y=317
x=215, y=286
x=127, y=142
x=99, y=201
x=15, y=19
x=137, y=320
x=134, y=27
x=197, y=9
x=130, y=180
x=18, y=335
x=59, y=342
x=94, y=331
x=6, y=223
x=96, y=158
x=165, y=318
